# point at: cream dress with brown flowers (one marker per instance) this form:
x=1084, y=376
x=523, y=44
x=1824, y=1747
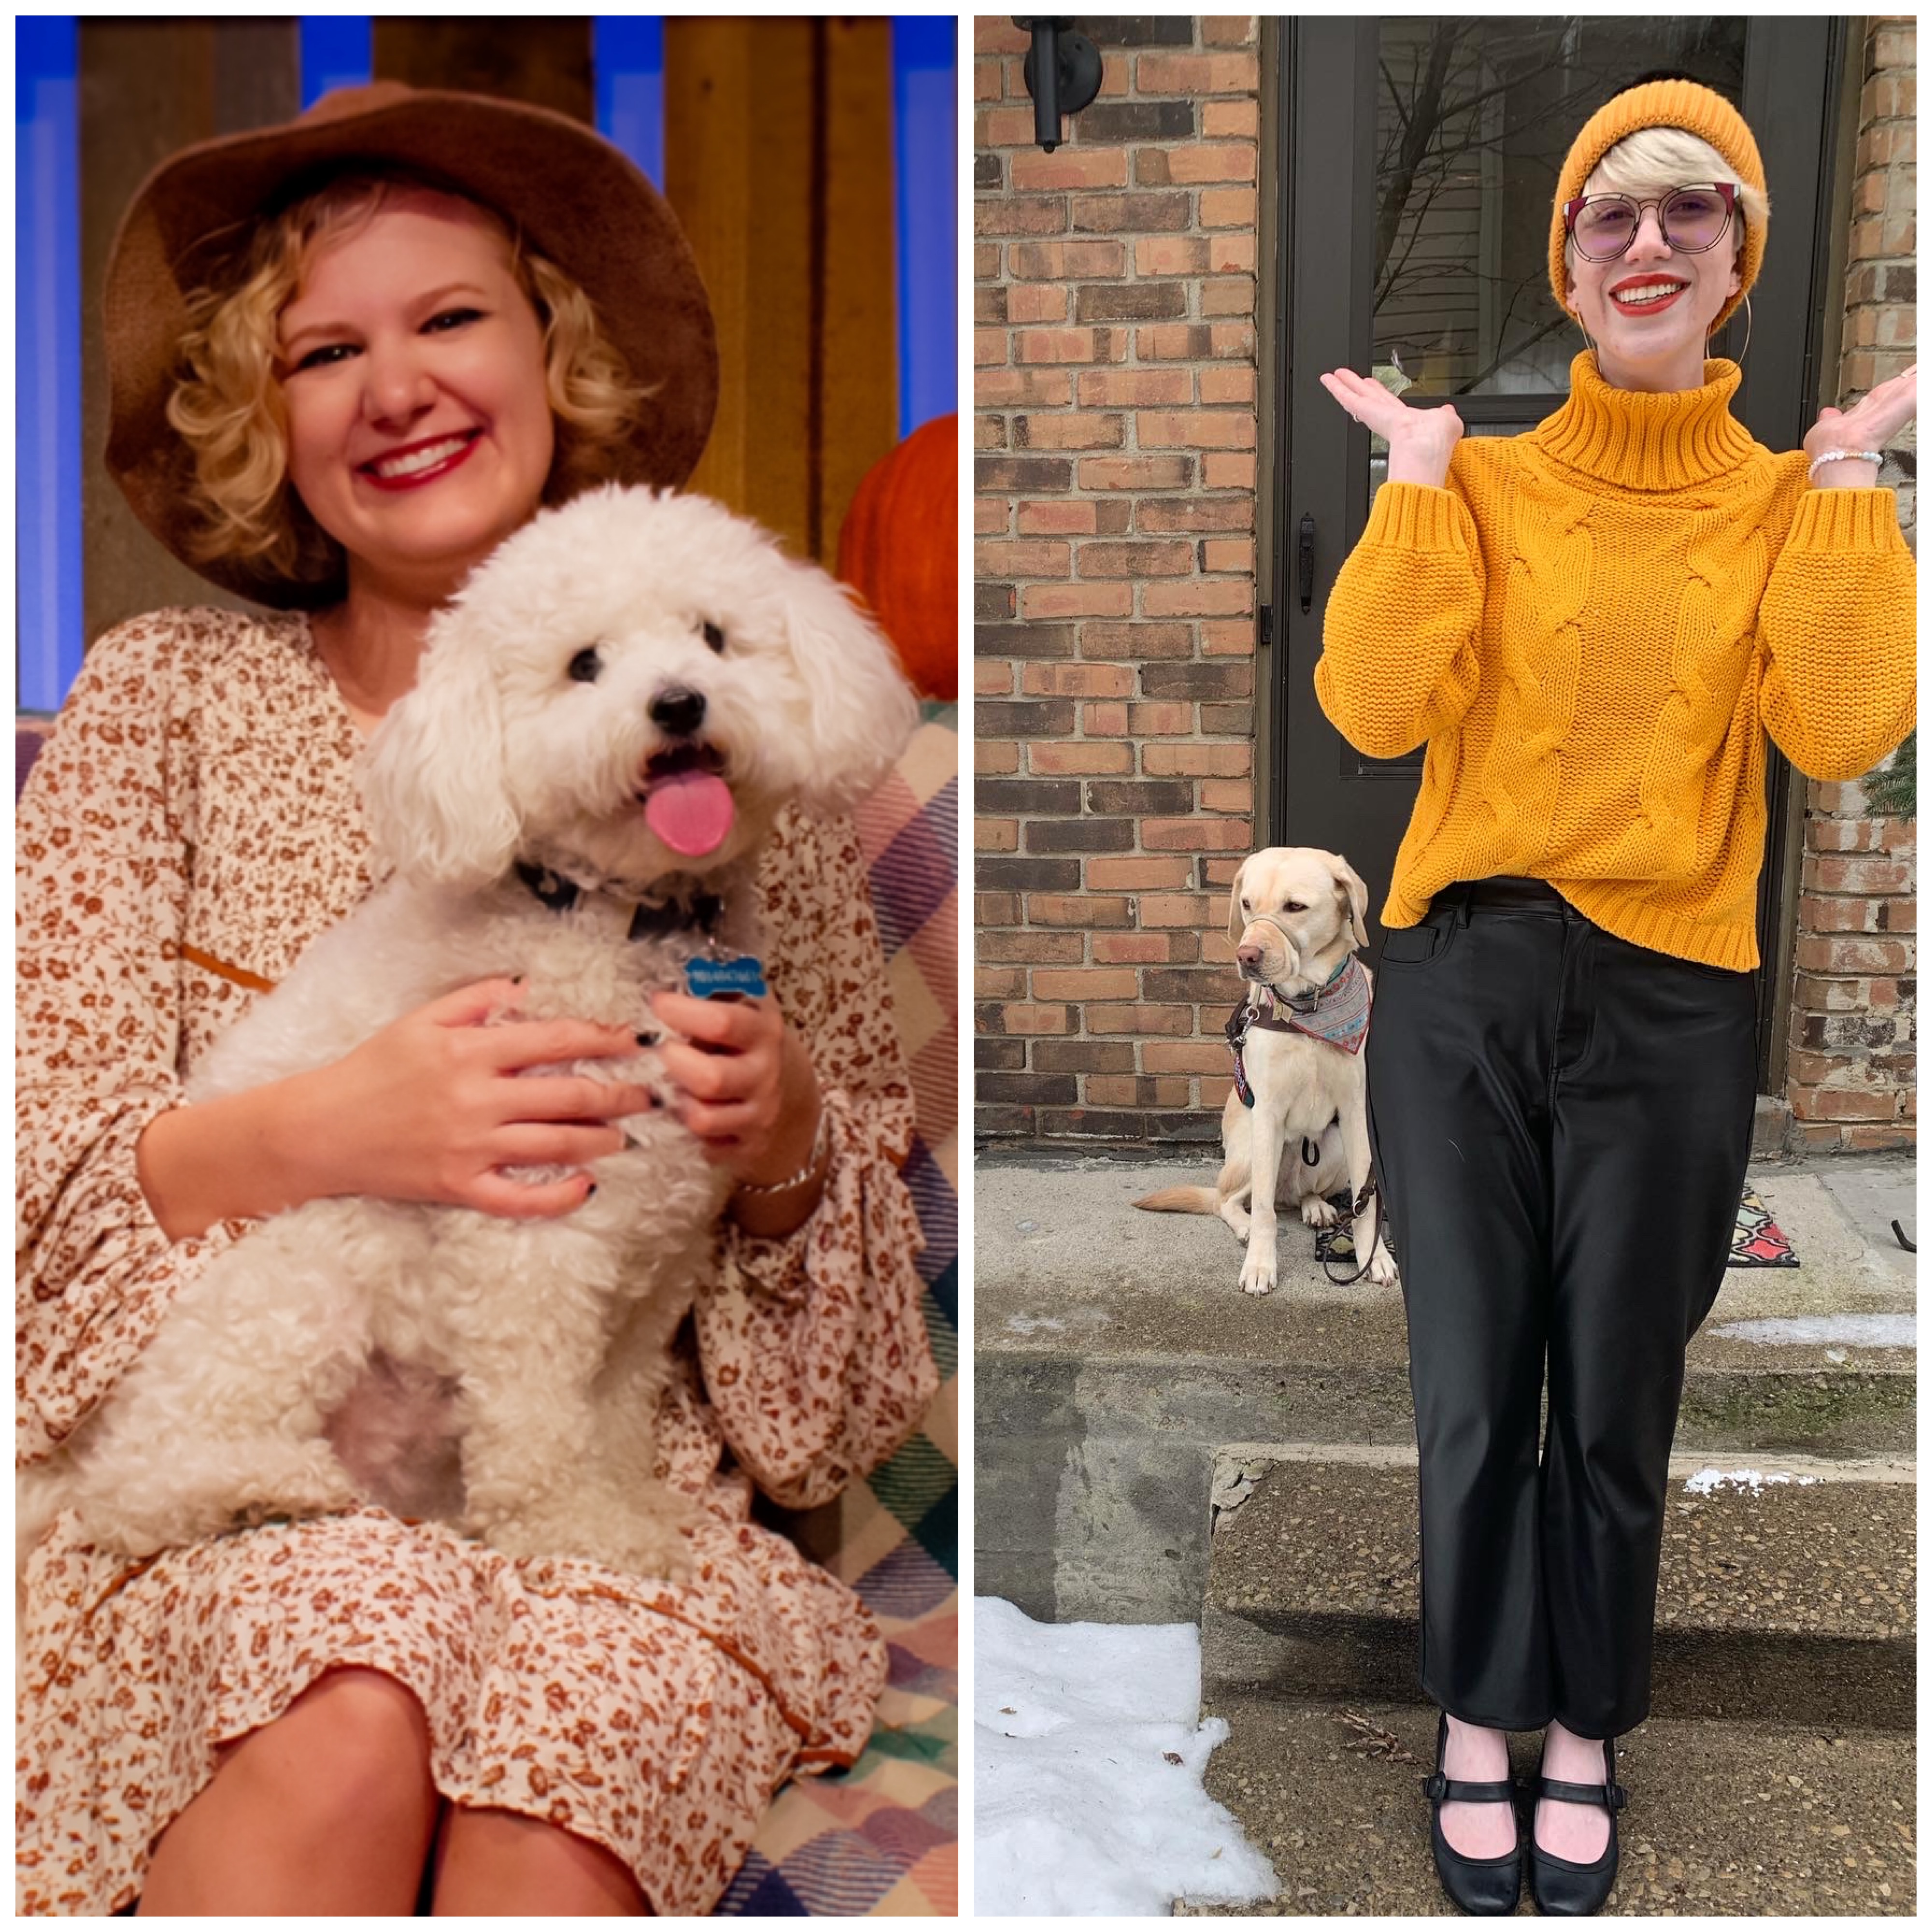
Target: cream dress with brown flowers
x=192, y=823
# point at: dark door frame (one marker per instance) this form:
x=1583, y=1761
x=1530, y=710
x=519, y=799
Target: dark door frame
x=1793, y=77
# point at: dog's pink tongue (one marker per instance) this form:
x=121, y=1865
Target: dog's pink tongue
x=691, y=811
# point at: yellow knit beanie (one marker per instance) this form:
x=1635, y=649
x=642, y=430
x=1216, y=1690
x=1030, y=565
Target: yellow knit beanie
x=1664, y=103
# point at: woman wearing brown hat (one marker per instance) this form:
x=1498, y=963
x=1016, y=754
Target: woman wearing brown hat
x=348, y=356
x=1591, y=627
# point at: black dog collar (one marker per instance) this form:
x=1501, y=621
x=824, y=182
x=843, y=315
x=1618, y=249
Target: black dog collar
x=652, y=918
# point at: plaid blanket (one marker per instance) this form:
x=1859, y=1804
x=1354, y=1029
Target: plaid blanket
x=884, y=1836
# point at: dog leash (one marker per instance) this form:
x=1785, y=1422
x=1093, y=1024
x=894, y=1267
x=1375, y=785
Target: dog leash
x=1370, y=1190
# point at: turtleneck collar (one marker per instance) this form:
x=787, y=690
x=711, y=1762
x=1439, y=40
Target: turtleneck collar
x=1641, y=441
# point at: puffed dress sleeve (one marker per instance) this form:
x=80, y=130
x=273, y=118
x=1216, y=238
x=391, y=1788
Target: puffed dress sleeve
x=813, y=1346
x=103, y=837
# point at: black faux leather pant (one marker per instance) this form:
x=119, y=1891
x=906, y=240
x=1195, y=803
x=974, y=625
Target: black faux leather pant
x=1561, y=1122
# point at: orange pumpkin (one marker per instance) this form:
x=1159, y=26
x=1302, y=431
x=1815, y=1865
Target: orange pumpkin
x=899, y=548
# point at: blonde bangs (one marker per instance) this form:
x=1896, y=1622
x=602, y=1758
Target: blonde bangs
x=1654, y=160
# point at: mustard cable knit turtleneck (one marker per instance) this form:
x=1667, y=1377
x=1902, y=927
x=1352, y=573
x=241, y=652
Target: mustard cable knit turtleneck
x=1592, y=626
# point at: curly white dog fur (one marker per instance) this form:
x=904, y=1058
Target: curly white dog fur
x=626, y=639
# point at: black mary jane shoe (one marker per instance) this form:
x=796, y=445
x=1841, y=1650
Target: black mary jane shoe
x=1487, y=1887
x=1561, y=1887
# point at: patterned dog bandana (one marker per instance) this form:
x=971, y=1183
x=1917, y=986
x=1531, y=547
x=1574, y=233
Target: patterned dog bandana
x=1339, y=1013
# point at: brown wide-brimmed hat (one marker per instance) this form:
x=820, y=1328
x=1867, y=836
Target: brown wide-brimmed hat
x=576, y=199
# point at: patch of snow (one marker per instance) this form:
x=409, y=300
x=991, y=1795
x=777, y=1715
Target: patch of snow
x=1707, y=1482
x=1024, y=1324
x=1859, y=1331
x=1089, y=1754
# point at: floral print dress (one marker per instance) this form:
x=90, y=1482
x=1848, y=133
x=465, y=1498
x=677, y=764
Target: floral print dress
x=192, y=823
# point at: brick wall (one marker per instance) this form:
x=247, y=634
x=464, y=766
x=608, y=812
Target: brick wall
x=1851, y=1077
x=1114, y=512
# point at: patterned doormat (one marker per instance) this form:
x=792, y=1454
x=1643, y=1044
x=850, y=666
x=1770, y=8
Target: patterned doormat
x=1757, y=1241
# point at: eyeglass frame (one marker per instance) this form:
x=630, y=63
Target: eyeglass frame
x=1573, y=208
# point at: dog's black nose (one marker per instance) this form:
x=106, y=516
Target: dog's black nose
x=678, y=711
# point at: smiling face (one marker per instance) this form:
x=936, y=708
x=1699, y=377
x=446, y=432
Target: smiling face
x=1650, y=311
x=419, y=427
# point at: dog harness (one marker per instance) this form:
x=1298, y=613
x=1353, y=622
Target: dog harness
x=1336, y=1012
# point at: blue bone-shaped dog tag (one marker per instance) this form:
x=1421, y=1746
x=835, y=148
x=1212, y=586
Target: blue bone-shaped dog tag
x=743, y=977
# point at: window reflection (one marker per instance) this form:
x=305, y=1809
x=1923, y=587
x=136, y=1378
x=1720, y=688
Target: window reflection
x=1473, y=119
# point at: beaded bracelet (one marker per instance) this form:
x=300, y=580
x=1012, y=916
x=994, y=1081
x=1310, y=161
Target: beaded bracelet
x=1845, y=456
x=820, y=1141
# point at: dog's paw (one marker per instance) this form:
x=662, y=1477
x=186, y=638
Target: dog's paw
x=1258, y=1275
x=1317, y=1213
x=1382, y=1269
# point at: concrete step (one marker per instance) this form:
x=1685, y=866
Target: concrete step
x=1790, y=1598
x=1726, y=1817
x=1115, y=1353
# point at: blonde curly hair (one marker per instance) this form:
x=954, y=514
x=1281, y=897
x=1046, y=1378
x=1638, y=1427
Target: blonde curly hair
x=228, y=408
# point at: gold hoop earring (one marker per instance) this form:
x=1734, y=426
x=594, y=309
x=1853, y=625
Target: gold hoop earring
x=1746, y=349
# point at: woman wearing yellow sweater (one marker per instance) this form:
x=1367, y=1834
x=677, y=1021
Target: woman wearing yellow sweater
x=1591, y=626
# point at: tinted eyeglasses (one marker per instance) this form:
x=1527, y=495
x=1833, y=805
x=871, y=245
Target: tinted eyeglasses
x=1692, y=219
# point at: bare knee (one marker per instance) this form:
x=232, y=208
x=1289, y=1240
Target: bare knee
x=331, y=1808
x=350, y=1754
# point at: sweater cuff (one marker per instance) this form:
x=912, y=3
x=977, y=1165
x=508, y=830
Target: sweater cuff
x=1417, y=518
x=1842, y=521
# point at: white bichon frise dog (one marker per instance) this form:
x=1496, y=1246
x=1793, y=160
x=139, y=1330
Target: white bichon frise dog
x=606, y=721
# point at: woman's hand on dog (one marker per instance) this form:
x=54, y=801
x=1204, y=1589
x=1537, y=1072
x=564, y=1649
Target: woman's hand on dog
x=750, y=1095
x=1421, y=442
x=431, y=1108
x=444, y=1103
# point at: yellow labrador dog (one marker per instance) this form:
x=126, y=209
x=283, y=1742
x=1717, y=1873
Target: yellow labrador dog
x=1294, y=918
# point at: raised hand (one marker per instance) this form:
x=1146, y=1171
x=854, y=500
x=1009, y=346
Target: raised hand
x=1871, y=423
x=1420, y=441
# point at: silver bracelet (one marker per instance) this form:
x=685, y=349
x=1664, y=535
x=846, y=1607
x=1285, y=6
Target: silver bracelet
x=821, y=1141
x=1845, y=456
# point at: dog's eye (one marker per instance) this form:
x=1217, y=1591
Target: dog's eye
x=715, y=638
x=1244, y=905
x=1295, y=905
x=585, y=666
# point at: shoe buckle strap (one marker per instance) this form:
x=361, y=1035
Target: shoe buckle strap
x=1608, y=1797
x=1461, y=1791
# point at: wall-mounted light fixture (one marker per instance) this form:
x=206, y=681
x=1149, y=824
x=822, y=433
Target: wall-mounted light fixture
x=1063, y=73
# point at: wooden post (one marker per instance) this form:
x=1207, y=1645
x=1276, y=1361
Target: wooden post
x=778, y=161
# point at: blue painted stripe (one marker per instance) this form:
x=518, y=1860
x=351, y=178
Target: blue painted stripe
x=926, y=114
x=47, y=525
x=337, y=50
x=627, y=57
